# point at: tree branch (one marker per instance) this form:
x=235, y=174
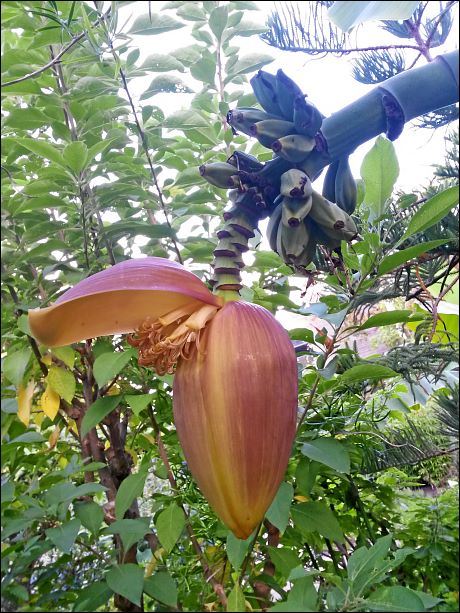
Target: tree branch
x=50, y=64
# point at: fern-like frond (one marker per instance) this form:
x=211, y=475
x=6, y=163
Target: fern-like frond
x=376, y=66
x=303, y=26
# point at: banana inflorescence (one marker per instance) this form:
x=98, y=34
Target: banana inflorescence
x=299, y=217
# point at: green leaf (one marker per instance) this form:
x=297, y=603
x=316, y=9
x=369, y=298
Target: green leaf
x=405, y=255
x=191, y=12
x=27, y=119
x=187, y=55
x=236, y=601
x=346, y=15
x=27, y=438
x=184, y=120
x=237, y=549
x=305, y=475
x=249, y=63
x=64, y=537
x=89, y=488
x=205, y=68
x=428, y=600
x=165, y=84
x=92, y=597
x=108, y=365
x=75, y=155
x=11, y=526
x=249, y=28
x=15, y=364
x=90, y=514
x=138, y=402
x=43, y=149
x=284, y=559
x=278, y=512
x=394, y=598
x=97, y=411
x=98, y=148
x=7, y=490
x=432, y=211
x=9, y=405
x=218, y=21
x=366, y=372
x=162, y=587
x=157, y=62
x=23, y=324
x=121, y=229
x=389, y=318
x=302, y=597
x=127, y=580
x=62, y=382
x=317, y=517
x=364, y=565
x=130, y=488
x=61, y=492
x=379, y=171
x=147, y=25
x=65, y=354
x=328, y=451
x=169, y=525
x=130, y=530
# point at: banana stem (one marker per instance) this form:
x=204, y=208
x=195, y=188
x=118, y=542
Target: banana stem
x=228, y=262
x=386, y=109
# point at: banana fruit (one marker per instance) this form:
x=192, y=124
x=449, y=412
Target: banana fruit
x=332, y=220
x=300, y=218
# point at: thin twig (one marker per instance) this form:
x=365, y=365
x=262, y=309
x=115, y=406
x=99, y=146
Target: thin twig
x=146, y=151
x=347, y=51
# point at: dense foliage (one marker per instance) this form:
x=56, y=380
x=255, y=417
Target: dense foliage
x=99, y=510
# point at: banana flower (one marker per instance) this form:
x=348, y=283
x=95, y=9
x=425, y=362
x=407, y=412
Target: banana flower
x=235, y=383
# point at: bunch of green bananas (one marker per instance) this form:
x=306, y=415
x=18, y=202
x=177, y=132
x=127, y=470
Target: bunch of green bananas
x=281, y=189
x=303, y=219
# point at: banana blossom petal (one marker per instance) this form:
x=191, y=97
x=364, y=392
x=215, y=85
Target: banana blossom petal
x=118, y=300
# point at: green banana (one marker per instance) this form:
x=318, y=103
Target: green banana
x=287, y=91
x=294, y=147
x=264, y=87
x=270, y=130
x=296, y=246
x=294, y=210
x=295, y=240
x=332, y=220
x=241, y=119
x=321, y=237
x=328, y=190
x=295, y=184
x=346, y=193
x=309, y=252
x=272, y=228
x=245, y=161
x=307, y=118
x=220, y=174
